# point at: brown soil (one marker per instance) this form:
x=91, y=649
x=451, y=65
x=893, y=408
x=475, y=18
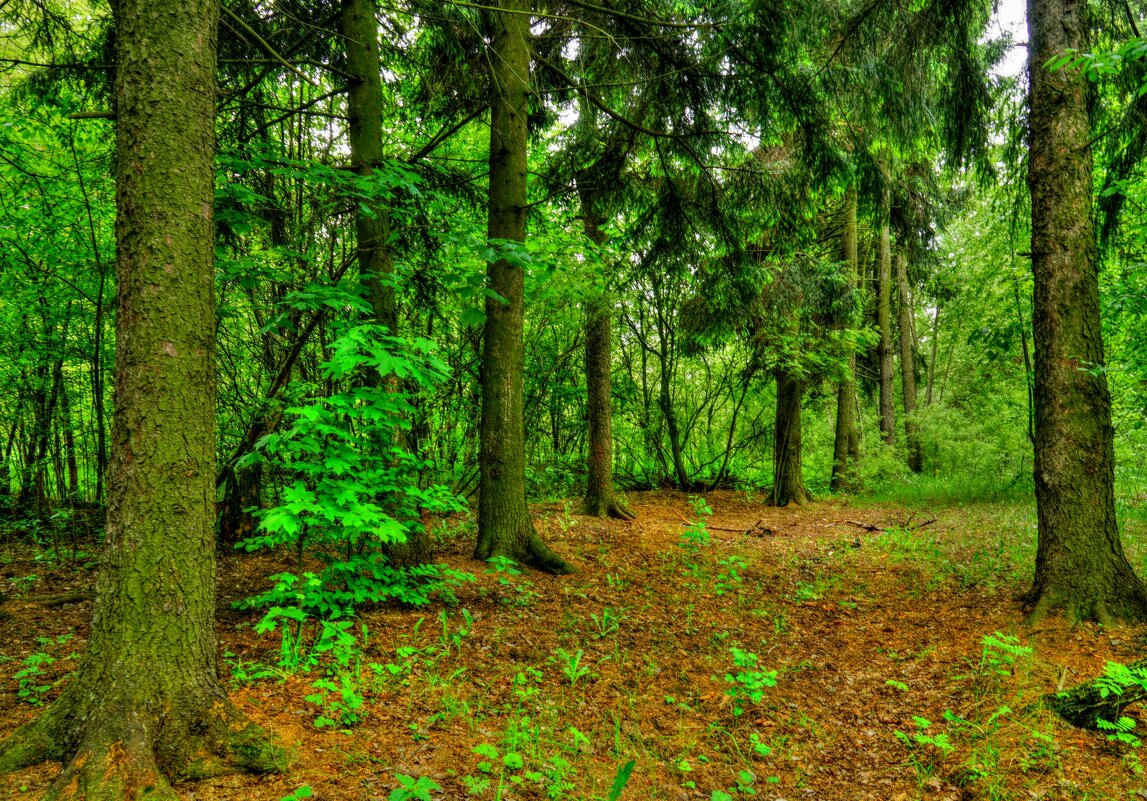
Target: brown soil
x=839, y=610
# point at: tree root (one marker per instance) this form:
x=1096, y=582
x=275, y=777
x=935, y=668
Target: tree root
x=118, y=759
x=541, y=556
x=619, y=511
x=1078, y=610
x=600, y=505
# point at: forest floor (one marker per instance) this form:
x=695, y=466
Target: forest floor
x=874, y=618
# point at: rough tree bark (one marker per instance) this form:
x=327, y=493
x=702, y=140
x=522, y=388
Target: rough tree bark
x=146, y=706
x=788, y=472
x=884, y=324
x=1080, y=563
x=908, y=366
x=846, y=446
x=364, y=109
x=504, y=525
x=600, y=497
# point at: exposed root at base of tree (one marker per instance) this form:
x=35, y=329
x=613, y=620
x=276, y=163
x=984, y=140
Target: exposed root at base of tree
x=541, y=556
x=529, y=550
x=608, y=507
x=797, y=499
x=116, y=758
x=1109, y=613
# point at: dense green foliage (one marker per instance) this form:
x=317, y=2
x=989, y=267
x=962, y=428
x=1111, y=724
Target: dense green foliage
x=716, y=146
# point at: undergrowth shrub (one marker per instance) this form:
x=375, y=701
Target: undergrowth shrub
x=353, y=487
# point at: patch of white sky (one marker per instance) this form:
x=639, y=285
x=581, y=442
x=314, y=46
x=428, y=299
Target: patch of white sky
x=1010, y=19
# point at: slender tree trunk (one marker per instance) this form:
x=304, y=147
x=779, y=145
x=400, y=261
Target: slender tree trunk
x=884, y=324
x=364, y=108
x=908, y=366
x=846, y=446
x=600, y=497
x=73, y=487
x=146, y=705
x=788, y=474
x=504, y=525
x=934, y=347
x=97, y=377
x=1027, y=361
x=672, y=430
x=1080, y=562
x=98, y=390
x=6, y=457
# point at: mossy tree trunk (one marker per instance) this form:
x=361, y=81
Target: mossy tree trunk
x=908, y=365
x=146, y=706
x=504, y=525
x=1080, y=563
x=600, y=497
x=846, y=445
x=884, y=323
x=376, y=265
x=788, y=471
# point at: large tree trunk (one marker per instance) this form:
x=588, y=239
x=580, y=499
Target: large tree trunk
x=364, y=108
x=846, y=446
x=788, y=473
x=1080, y=563
x=884, y=324
x=146, y=705
x=504, y=525
x=908, y=366
x=600, y=498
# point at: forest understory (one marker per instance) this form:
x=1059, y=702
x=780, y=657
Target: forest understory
x=901, y=668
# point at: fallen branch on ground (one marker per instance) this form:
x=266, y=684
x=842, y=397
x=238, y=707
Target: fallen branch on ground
x=1084, y=705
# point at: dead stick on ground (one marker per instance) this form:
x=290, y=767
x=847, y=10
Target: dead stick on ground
x=1085, y=704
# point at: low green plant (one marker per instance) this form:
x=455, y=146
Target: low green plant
x=1117, y=678
x=452, y=638
x=749, y=682
x=303, y=792
x=620, y=779
x=922, y=747
x=412, y=789
x=399, y=671
x=304, y=638
x=696, y=534
x=504, y=767
x=744, y=786
x=31, y=677
x=247, y=672
x=340, y=698
x=571, y=665
x=608, y=623
x=509, y=576
x=729, y=574
x=999, y=655
x=758, y=746
x=1120, y=731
